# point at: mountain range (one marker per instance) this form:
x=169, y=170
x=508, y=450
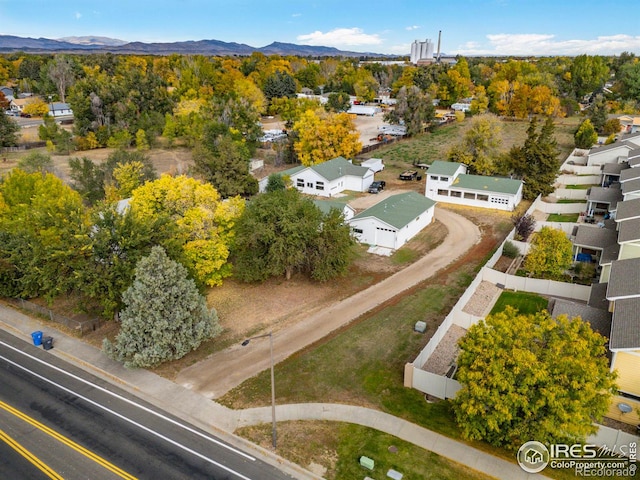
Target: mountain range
x=95, y=44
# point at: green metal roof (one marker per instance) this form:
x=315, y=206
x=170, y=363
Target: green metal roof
x=325, y=206
x=487, y=184
x=398, y=210
x=439, y=167
x=338, y=167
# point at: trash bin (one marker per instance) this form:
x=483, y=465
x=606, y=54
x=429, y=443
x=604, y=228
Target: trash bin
x=47, y=343
x=37, y=338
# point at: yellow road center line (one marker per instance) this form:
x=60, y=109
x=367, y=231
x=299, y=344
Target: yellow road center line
x=66, y=441
x=43, y=467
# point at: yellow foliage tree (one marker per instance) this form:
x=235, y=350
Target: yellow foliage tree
x=36, y=107
x=128, y=177
x=204, y=223
x=323, y=136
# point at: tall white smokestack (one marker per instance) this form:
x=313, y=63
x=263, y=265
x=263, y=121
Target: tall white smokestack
x=439, y=38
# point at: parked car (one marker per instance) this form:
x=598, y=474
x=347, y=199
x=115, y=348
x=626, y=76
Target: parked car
x=377, y=186
x=25, y=115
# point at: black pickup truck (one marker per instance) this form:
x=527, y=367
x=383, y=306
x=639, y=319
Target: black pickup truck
x=377, y=186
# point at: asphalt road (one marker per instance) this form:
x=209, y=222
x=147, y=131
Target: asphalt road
x=56, y=421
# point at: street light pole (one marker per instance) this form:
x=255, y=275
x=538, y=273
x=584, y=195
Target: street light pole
x=273, y=385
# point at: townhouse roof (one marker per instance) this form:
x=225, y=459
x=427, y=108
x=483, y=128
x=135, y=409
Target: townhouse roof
x=439, y=167
x=605, y=148
x=609, y=253
x=487, y=184
x=599, y=319
x=624, y=279
x=629, y=174
x=628, y=209
x=598, y=296
x=629, y=231
x=614, y=168
x=591, y=236
x=631, y=186
x=625, y=325
x=398, y=210
x=610, y=195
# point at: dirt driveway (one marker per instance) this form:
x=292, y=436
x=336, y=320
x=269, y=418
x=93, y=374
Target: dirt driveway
x=222, y=371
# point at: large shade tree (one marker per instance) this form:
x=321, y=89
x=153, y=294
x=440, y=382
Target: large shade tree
x=530, y=377
x=164, y=318
x=282, y=232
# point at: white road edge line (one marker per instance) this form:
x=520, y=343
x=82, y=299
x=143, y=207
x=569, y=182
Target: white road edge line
x=123, y=399
x=126, y=419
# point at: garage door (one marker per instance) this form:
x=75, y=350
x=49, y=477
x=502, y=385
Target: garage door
x=385, y=237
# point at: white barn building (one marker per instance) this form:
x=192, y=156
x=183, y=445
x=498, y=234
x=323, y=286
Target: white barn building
x=449, y=182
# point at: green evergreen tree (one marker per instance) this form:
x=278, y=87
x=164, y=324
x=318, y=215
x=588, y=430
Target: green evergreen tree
x=164, y=318
x=8, y=131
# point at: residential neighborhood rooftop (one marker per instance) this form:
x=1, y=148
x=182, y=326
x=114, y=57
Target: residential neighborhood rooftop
x=629, y=231
x=625, y=326
x=599, y=319
x=398, y=210
x=337, y=168
x=610, y=254
x=628, y=209
x=598, y=296
x=610, y=195
x=591, y=236
x=614, y=168
x=631, y=186
x=624, y=279
x=629, y=174
x=325, y=206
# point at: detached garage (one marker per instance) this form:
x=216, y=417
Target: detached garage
x=394, y=221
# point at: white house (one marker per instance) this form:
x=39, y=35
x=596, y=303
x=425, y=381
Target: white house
x=326, y=206
x=59, y=109
x=328, y=179
x=393, y=221
x=617, y=152
x=449, y=182
x=375, y=164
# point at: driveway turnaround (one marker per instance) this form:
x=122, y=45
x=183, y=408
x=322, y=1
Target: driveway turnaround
x=224, y=370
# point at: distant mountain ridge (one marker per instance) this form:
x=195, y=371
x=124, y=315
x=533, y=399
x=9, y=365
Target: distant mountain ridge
x=88, y=44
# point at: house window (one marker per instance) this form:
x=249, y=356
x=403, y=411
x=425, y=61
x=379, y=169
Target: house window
x=443, y=192
x=309, y=185
x=469, y=195
x=500, y=200
x=433, y=177
x=358, y=230
x=300, y=183
x=319, y=185
x=444, y=179
x=484, y=198
x=456, y=194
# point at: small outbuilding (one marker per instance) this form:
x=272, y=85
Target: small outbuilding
x=394, y=221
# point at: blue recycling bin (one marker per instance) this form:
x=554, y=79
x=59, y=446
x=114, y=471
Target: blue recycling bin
x=37, y=338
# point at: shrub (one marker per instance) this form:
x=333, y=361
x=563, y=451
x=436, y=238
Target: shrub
x=509, y=250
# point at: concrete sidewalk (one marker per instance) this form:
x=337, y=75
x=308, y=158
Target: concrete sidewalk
x=222, y=421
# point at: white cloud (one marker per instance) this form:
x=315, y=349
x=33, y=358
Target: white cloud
x=412, y=27
x=294, y=15
x=78, y=15
x=546, y=44
x=340, y=37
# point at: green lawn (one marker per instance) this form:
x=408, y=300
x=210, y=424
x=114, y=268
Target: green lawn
x=525, y=303
x=563, y=217
x=579, y=187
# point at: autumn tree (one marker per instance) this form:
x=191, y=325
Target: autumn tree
x=531, y=377
x=204, y=224
x=413, y=108
x=551, y=254
x=480, y=146
x=279, y=84
x=282, y=232
x=588, y=73
x=164, y=318
x=36, y=162
x=322, y=136
x=338, y=102
x=585, y=136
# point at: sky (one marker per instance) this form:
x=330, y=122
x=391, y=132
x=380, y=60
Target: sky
x=469, y=27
